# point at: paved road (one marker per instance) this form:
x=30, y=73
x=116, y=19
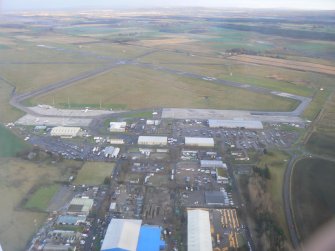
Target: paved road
x=287, y=203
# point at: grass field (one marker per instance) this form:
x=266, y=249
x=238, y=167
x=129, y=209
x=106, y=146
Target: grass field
x=321, y=143
x=276, y=162
x=33, y=76
x=146, y=88
x=274, y=78
x=17, y=177
x=10, y=144
x=94, y=173
x=313, y=193
x=7, y=112
x=40, y=199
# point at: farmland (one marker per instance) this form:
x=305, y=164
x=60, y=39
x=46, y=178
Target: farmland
x=313, y=194
x=94, y=173
x=17, y=177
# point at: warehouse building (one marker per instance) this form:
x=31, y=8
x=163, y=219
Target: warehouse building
x=153, y=122
x=198, y=230
x=234, y=124
x=129, y=235
x=217, y=198
x=111, y=152
x=116, y=141
x=65, y=132
x=70, y=219
x=212, y=164
x=199, y=142
x=117, y=126
x=80, y=206
x=152, y=140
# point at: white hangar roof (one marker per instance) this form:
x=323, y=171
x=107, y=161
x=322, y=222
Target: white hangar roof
x=247, y=124
x=198, y=230
x=122, y=234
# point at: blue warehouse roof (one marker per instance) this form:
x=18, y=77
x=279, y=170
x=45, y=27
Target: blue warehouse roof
x=150, y=239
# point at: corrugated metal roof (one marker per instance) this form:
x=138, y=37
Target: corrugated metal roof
x=212, y=163
x=198, y=231
x=122, y=234
x=248, y=124
x=65, y=131
x=85, y=202
x=147, y=140
x=150, y=238
x=194, y=141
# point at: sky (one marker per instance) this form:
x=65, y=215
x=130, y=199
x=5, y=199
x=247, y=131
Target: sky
x=11, y=5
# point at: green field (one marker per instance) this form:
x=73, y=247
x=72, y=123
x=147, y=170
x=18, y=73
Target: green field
x=147, y=88
x=17, y=177
x=313, y=193
x=7, y=112
x=322, y=144
x=41, y=198
x=276, y=162
x=33, y=76
x=10, y=144
x=94, y=173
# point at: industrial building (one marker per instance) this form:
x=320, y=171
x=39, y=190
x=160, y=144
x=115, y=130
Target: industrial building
x=117, y=126
x=65, y=132
x=217, y=198
x=234, y=124
x=116, y=141
x=198, y=230
x=111, y=152
x=70, y=219
x=152, y=140
x=212, y=164
x=199, y=142
x=80, y=206
x=153, y=122
x=129, y=235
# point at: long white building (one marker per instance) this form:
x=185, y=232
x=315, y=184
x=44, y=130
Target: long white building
x=65, y=132
x=233, y=124
x=152, y=140
x=199, y=142
x=198, y=230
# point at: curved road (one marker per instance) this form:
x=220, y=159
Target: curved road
x=287, y=202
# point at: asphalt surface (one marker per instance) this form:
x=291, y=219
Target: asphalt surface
x=287, y=203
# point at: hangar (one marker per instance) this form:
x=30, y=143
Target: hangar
x=65, y=132
x=129, y=235
x=233, y=124
x=198, y=230
x=212, y=164
x=152, y=140
x=199, y=142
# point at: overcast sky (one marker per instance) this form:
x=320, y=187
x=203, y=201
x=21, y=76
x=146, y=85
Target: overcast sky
x=84, y=4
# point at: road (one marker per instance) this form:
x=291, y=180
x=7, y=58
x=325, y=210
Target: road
x=287, y=203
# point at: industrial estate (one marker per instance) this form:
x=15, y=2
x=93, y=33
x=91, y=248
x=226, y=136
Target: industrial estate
x=166, y=130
